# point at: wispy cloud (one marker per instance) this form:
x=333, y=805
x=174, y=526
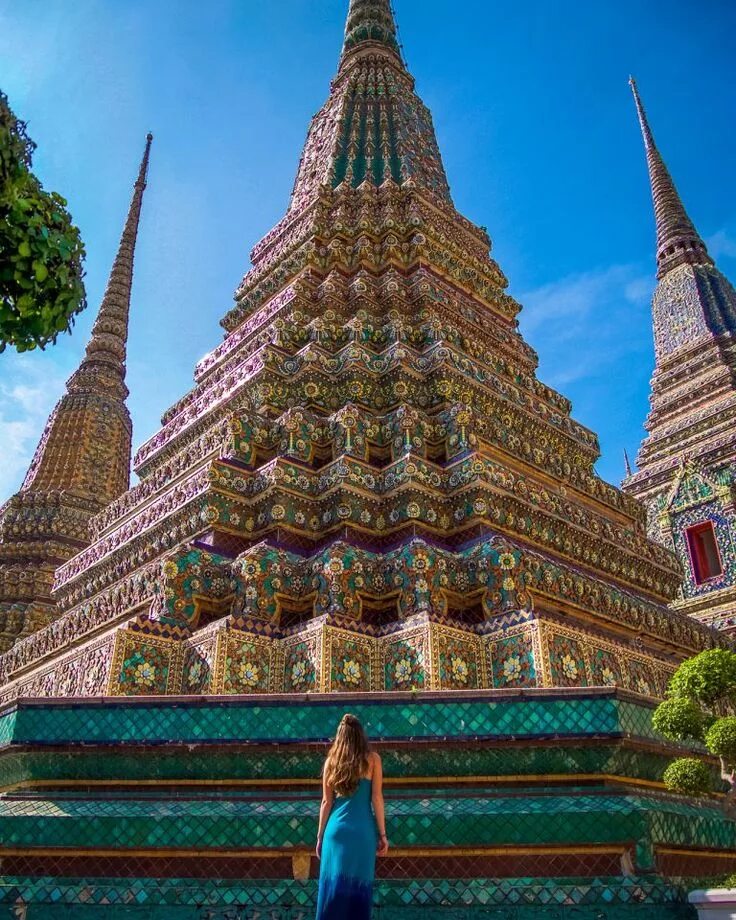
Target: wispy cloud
x=581, y=324
x=593, y=333
x=29, y=388
x=722, y=244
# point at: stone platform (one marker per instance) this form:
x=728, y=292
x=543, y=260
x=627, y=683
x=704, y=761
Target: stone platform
x=544, y=804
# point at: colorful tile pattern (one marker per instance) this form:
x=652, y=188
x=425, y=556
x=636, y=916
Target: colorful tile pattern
x=458, y=660
x=302, y=670
x=566, y=660
x=512, y=660
x=406, y=661
x=244, y=664
x=146, y=666
x=351, y=662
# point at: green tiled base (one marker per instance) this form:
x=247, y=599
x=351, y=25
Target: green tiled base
x=180, y=899
x=202, y=764
x=236, y=821
x=459, y=715
x=556, y=912
x=151, y=787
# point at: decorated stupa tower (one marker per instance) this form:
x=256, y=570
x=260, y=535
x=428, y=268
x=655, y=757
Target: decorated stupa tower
x=687, y=465
x=367, y=488
x=367, y=501
x=82, y=461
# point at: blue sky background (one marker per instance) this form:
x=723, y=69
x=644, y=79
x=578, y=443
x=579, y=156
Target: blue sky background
x=534, y=119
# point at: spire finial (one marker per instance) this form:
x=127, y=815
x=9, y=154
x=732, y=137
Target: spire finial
x=373, y=129
x=371, y=22
x=110, y=331
x=627, y=464
x=678, y=241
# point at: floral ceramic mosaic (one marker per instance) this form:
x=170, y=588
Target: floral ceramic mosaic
x=566, y=661
x=406, y=665
x=350, y=664
x=512, y=661
x=300, y=666
x=458, y=662
x=246, y=665
x=144, y=668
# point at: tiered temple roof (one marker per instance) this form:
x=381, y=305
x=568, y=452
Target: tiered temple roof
x=372, y=409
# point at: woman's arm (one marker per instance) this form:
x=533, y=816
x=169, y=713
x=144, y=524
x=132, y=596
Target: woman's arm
x=328, y=797
x=378, y=804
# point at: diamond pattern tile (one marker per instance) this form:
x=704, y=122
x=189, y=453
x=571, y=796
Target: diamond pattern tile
x=460, y=716
x=243, y=821
x=518, y=898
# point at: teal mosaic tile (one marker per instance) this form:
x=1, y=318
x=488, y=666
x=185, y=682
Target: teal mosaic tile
x=236, y=821
x=289, y=764
x=435, y=912
x=461, y=715
x=7, y=727
x=636, y=720
x=518, y=899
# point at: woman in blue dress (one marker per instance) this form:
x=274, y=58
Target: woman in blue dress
x=352, y=825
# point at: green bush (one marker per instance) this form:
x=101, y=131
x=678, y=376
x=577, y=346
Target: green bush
x=688, y=776
x=41, y=252
x=720, y=739
x=706, y=678
x=699, y=691
x=680, y=719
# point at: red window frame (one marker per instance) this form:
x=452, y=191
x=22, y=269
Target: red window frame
x=701, y=560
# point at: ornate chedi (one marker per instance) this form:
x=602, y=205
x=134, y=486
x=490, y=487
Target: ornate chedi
x=367, y=500
x=687, y=464
x=367, y=473
x=82, y=462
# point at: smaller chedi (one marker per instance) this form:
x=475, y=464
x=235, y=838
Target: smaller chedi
x=686, y=474
x=82, y=462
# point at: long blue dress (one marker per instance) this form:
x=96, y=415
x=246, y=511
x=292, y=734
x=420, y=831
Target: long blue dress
x=348, y=862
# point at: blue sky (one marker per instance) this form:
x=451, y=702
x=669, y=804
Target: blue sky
x=534, y=119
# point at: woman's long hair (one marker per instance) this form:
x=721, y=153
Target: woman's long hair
x=347, y=760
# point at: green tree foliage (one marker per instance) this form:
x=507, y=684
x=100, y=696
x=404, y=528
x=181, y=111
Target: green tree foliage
x=680, y=719
x=707, y=678
x=700, y=694
x=689, y=776
x=41, y=252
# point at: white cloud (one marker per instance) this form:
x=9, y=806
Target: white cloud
x=581, y=324
x=721, y=244
x=29, y=388
x=593, y=333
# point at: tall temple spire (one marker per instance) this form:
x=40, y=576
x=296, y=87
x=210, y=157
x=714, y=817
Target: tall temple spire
x=678, y=241
x=686, y=473
x=82, y=462
x=108, y=344
x=370, y=22
x=101, y=377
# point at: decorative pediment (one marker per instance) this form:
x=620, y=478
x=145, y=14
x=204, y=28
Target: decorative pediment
x=693, y=486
